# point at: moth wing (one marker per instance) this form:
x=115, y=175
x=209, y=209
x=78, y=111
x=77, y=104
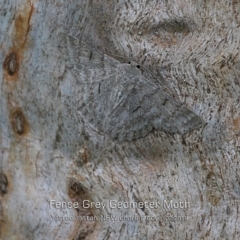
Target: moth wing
x=118, y=100
x=85, y=62
x=97, y=73
x=147, y=107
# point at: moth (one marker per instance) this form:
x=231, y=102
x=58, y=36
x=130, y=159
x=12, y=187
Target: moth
x=121, y=100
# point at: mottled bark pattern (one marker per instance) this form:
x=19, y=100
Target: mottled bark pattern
x=49, y=152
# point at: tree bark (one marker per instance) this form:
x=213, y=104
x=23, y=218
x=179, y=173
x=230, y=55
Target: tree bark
x=50, y=153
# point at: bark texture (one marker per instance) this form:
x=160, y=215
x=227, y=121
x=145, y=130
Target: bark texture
x=49, y=152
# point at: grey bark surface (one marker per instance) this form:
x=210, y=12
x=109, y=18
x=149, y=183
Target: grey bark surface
x=51, y=152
